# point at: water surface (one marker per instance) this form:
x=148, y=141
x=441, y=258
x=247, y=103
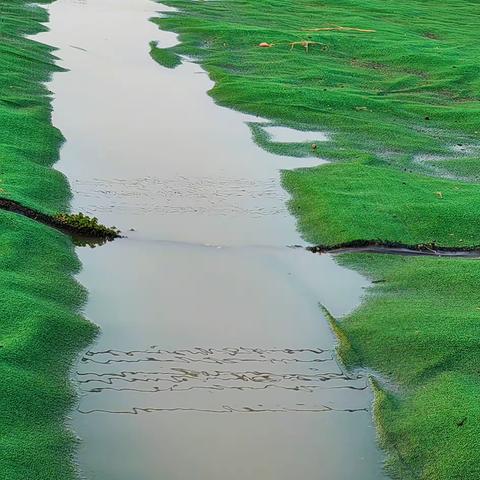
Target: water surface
x=290, y=135
x=214, y=359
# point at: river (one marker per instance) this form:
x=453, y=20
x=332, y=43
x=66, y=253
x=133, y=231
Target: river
x=214, y=360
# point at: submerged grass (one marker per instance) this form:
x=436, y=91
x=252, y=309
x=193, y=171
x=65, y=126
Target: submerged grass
x=41, y=329
x=400, y=102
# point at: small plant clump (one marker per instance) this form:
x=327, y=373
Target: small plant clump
x=86, y=225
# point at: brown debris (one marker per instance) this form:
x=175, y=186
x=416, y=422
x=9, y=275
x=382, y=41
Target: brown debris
x=304, y=43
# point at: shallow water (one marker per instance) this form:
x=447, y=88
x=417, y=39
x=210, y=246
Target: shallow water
x=214, y=359
x=290, y=135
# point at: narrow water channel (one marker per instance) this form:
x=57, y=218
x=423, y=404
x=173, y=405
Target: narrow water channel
x=214, y=360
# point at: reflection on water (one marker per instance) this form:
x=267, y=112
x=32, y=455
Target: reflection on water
x=225, y=380
x=214, y=359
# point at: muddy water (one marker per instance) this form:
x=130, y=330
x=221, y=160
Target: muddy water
x=214, y=359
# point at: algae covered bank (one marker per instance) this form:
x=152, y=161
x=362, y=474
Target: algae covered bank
x=41, y=331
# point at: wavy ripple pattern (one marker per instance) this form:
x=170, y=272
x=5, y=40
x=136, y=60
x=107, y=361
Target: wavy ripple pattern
x=203, y=195
x=218, y=380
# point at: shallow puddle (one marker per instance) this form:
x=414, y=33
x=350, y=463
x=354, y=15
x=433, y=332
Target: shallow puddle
x=214, y=359
x=290, y=135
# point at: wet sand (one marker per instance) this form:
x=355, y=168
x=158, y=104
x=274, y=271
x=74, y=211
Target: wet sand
x=214, y=359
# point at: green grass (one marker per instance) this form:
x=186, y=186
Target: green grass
x=400, y=105
x=375, y=91
x=339, y=203
x=164, y=56
x=40, y=327
x=420, y=328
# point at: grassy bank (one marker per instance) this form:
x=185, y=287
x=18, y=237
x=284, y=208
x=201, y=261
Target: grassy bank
x=41, y=329
x=395, y=84
x=420, y=327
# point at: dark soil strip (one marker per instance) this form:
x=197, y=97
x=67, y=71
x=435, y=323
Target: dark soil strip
x=82, y=235
x=395, y=248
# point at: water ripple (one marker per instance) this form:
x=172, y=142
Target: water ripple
x=218, y=380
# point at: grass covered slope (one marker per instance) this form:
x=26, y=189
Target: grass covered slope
x=40, y=334
x=396, y=85
x=40, y=329
x=28, y=143
x=421, y=328
x=338, y=203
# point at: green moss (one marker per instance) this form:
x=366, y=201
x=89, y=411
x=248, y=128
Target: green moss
x=350, y=201
x=395, y=102
x=467, y=168
x=40, y=327
x=440, y=417
x=87, y=225
x=164, y=56
x=40, y=335
x=420, y=328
